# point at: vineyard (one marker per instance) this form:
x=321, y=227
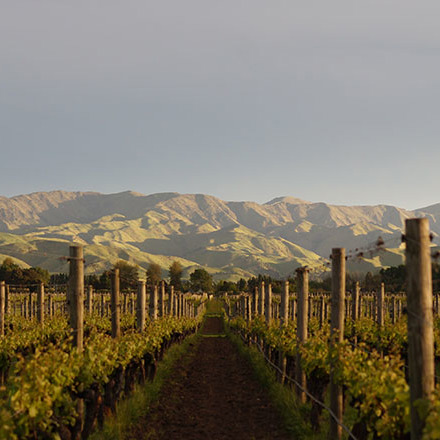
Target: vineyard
x=363, y=365
x=368, y=362
x=62, y=370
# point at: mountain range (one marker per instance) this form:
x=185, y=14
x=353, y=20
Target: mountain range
x=229, y=239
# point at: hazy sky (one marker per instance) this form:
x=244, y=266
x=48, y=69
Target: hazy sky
x=335, y=101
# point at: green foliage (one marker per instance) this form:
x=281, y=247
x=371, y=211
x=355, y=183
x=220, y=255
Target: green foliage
x=128, y=274
x=45, y=375
x=241, y=285
x=201, y=280
x=226, y=287
x=61, y=278
x=374, y=382
x=13, y=274
x=175, y=273
x=154, y=273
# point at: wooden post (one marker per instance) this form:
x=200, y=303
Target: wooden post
x=40, y=304
x=336, y=336
x=255, y=302
x=355, y=309
x=301, y=328
x=177, y=307
x=153, y=302
x=115, y=305
x=284, y=312
x=162, y=299
x=90, y=299
x=248, y=307
x=420, y=318
x=393, y=310
x=102, y=305
x=30, y=306
x=140, y=306
x=171, y=310
x=380, y=305
x=262, y=296
x=268, y=304
x=75, y=295
x=7, y=302
x=2, y=307
x=321, y=311
x=49, y=305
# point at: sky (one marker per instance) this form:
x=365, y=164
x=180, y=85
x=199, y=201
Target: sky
x=334, y=101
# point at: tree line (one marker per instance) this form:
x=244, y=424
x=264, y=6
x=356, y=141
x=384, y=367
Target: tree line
x=201, y=280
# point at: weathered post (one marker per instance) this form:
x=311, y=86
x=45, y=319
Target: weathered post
x=102, y=304
x=49, y=305
x=171, y=301
x=420, y=318
x=40, y=304
x=301, y=329
x=31, y=306
x=140, y=306
x=75, y=294
x=153, y=302
x=115, y=304
x=355, y=309
x=284, y=312
x=162, y=299
x=336, y=336
x=321, y=311
x=262, y=297
x=124, y=302
x=2, y=307
x=90, y=299
x=268, y=305
x=255, y=302
x=7, y=302
x=380, y=305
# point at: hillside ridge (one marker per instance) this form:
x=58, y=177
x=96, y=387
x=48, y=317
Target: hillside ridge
x=230, y=238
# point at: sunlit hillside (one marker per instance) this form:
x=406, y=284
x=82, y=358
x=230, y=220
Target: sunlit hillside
x=229, y=239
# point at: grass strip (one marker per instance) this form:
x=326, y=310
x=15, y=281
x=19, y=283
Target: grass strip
x=132, y=410
x=283, y=397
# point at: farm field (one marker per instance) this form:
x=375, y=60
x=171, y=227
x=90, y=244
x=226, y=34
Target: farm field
x=361, y=365
x=213, y=394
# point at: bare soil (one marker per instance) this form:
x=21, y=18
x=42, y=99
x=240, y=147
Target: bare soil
x=212, y=395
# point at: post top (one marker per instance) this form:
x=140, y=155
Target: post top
x=303, y=269
x=416, y=220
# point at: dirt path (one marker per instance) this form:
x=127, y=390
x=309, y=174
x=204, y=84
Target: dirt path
x=213, y=395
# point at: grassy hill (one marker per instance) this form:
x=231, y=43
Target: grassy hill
x=229, y=239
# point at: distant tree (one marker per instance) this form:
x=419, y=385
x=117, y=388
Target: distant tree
x=242, y=284
x=371, y=282
x=91, y=280
x=12, y=273
x=186, y=286
x=36, y=275
x=104, y=281
x=175, y=274
x=128, y=277
x=395, y=277
x=226, y=287
x=59, y=278
x=128, y=274
x=154, y=273
x=200, y=279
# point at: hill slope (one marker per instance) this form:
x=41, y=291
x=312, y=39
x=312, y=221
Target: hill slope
x=230, y=239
